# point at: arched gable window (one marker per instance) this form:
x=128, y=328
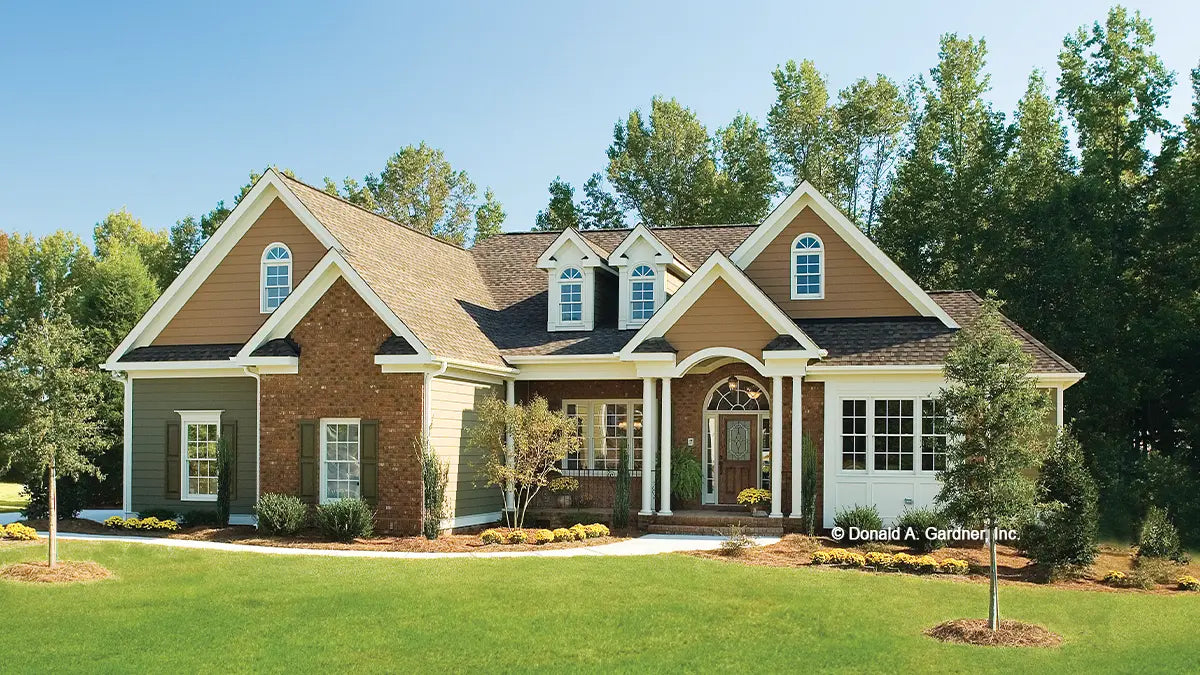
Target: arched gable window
x=570, y=296
x=276, y=276
x=641, y=293
x=737, y=393
x=808, y=268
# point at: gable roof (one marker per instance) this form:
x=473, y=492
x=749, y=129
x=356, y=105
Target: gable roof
x=663, y=250
x=806, y=196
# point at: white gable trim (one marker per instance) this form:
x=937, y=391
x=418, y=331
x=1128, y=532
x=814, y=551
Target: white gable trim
x=330, y=268
x=807, y=195
x=590, y=257
x=268, y=187
x=718, y=267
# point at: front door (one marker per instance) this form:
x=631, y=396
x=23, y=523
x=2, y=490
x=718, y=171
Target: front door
x=738, y=449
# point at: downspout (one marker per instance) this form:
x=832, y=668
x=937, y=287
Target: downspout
x=249, y=370
x=427, y=398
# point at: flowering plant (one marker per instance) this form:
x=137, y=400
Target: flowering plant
x=753, y=497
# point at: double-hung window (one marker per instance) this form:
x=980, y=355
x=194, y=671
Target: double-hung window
x=340, y=459
x=201, y=431
x=570, y=296
x=641, y=293
x=808, y=268
x=887, y=434
x=603, y=427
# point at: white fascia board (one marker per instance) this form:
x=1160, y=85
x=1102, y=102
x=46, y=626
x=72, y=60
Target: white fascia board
x=590, y=258
x=148, y=366
x=270, y=361
x=807, y=195
x=268, y=187
x=718, y=267
x=563, y=358
x=298, y=303
x=182, y=369
x=662, y=254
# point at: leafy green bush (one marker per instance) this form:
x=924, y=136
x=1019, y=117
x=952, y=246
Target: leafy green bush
x=808, y=485
x=622, y=489
x=1060, y=536
x=861, y=517
x=687, y=475
x=736, y=542
x=920, y=520
x=345, y=519
x=280, y=514
x=201, y=517
x=226, y=466
x=73, y=496
x=435, y=475
x=1159, y=538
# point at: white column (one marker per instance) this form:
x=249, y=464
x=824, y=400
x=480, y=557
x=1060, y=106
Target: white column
x=127, y=449
x=664, y=421
x=647, y=447
x=510, y=397
x=777, y=446
x=797, y=443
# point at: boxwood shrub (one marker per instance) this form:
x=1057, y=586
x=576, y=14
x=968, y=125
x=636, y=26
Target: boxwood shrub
x=345, y=519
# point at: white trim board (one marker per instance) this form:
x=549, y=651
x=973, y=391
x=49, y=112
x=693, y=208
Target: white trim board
x=805, y=195
x=268, y=187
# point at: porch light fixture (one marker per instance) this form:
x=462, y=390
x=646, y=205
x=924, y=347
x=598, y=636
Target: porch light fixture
x=753, y=394
x=732, y=383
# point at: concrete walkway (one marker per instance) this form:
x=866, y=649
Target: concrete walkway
x=650, y=544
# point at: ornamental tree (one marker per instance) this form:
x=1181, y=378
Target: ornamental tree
x=997, y=431
x=541, y=439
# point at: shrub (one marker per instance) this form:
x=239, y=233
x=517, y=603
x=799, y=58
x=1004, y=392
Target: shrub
x=925, y=564
x=1161, y=570
x=543, y=537
x=1159, y=538
x=839, y=556
x=149, y=523
x=198, y=517
x=1188, y=583
x=821, y=557
x=161, y=514
x=954, y=566
x=563, y=534
x=226, y=469
x=114, y=521
x=1114, y=578
x=855, y=560
x=917, y=521
x=73, y=496
x=579, y=531
x=435, y=475
x=860, y=517
x=1061, y=534
x=809, y=485
x=18, y=532
x=904, y=562
x=596, y=530
x=280, y=514
x=345, y=519
x=753, y=497
x=878, y=560
x=687, y=475
x=517, y=537
x=622, y=499
x=491, y=536
x=736, y=541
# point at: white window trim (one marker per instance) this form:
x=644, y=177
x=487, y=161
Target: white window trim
x=821, y=268
x=918, y=414
x=262, y=274
x=562, y=323
x=187, y=417
x=589, y=436
x=323, y=496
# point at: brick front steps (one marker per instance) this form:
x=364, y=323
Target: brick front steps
x=711, y=522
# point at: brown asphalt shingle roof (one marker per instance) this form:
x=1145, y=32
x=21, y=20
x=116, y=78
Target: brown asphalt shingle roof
x=490, y=302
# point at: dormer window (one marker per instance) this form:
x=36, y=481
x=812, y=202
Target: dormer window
x=808, y=268
x=641, y=293
x=570, y=296
x=276, y=276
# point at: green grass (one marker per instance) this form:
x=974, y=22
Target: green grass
x=180, y=610
x=10, y=497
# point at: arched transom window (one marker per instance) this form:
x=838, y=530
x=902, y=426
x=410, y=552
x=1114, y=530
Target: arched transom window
x=738, y=394
x=641, y=293
x=808, y=268
x=570, y=296
x=276, y=278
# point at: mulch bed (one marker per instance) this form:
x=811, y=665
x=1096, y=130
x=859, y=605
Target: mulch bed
x=1010, y=634
x=65, y=572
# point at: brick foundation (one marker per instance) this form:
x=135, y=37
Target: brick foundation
x=338, y=378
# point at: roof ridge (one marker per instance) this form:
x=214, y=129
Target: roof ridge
x=655, y=228
x=379, y=216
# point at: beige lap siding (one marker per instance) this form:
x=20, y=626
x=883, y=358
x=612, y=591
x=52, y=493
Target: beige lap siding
x=720, y=318
x=454, y=405
x=338, y=378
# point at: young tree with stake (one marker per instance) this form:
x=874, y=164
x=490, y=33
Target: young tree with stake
x=997, y=430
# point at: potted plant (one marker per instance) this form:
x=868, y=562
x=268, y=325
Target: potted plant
x=754, y=499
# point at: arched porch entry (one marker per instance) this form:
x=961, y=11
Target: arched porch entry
x=736, y=439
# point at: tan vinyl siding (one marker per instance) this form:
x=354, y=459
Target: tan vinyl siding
x=852, y=287
x=226, y=307
x=720, y=318
x=671, y=283
x=155, y=402
x=454, y=403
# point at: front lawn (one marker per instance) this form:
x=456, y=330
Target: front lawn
x=10, y=497
x=182, y=610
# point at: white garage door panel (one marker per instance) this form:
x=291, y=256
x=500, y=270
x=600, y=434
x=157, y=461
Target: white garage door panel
x=851, y=493
x=889, y=498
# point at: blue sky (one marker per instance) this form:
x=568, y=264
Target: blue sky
x=165, y=108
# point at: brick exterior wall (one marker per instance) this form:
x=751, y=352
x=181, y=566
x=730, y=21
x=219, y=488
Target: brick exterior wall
x=338, y=378
x=687, y=407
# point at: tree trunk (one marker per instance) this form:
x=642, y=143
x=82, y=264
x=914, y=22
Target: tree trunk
x=53, y=499
x=994, y=611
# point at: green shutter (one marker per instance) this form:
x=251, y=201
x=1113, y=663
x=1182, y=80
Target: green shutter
x=172, y=469
x=308, y=461
x=229, y=433
x=368, y=469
